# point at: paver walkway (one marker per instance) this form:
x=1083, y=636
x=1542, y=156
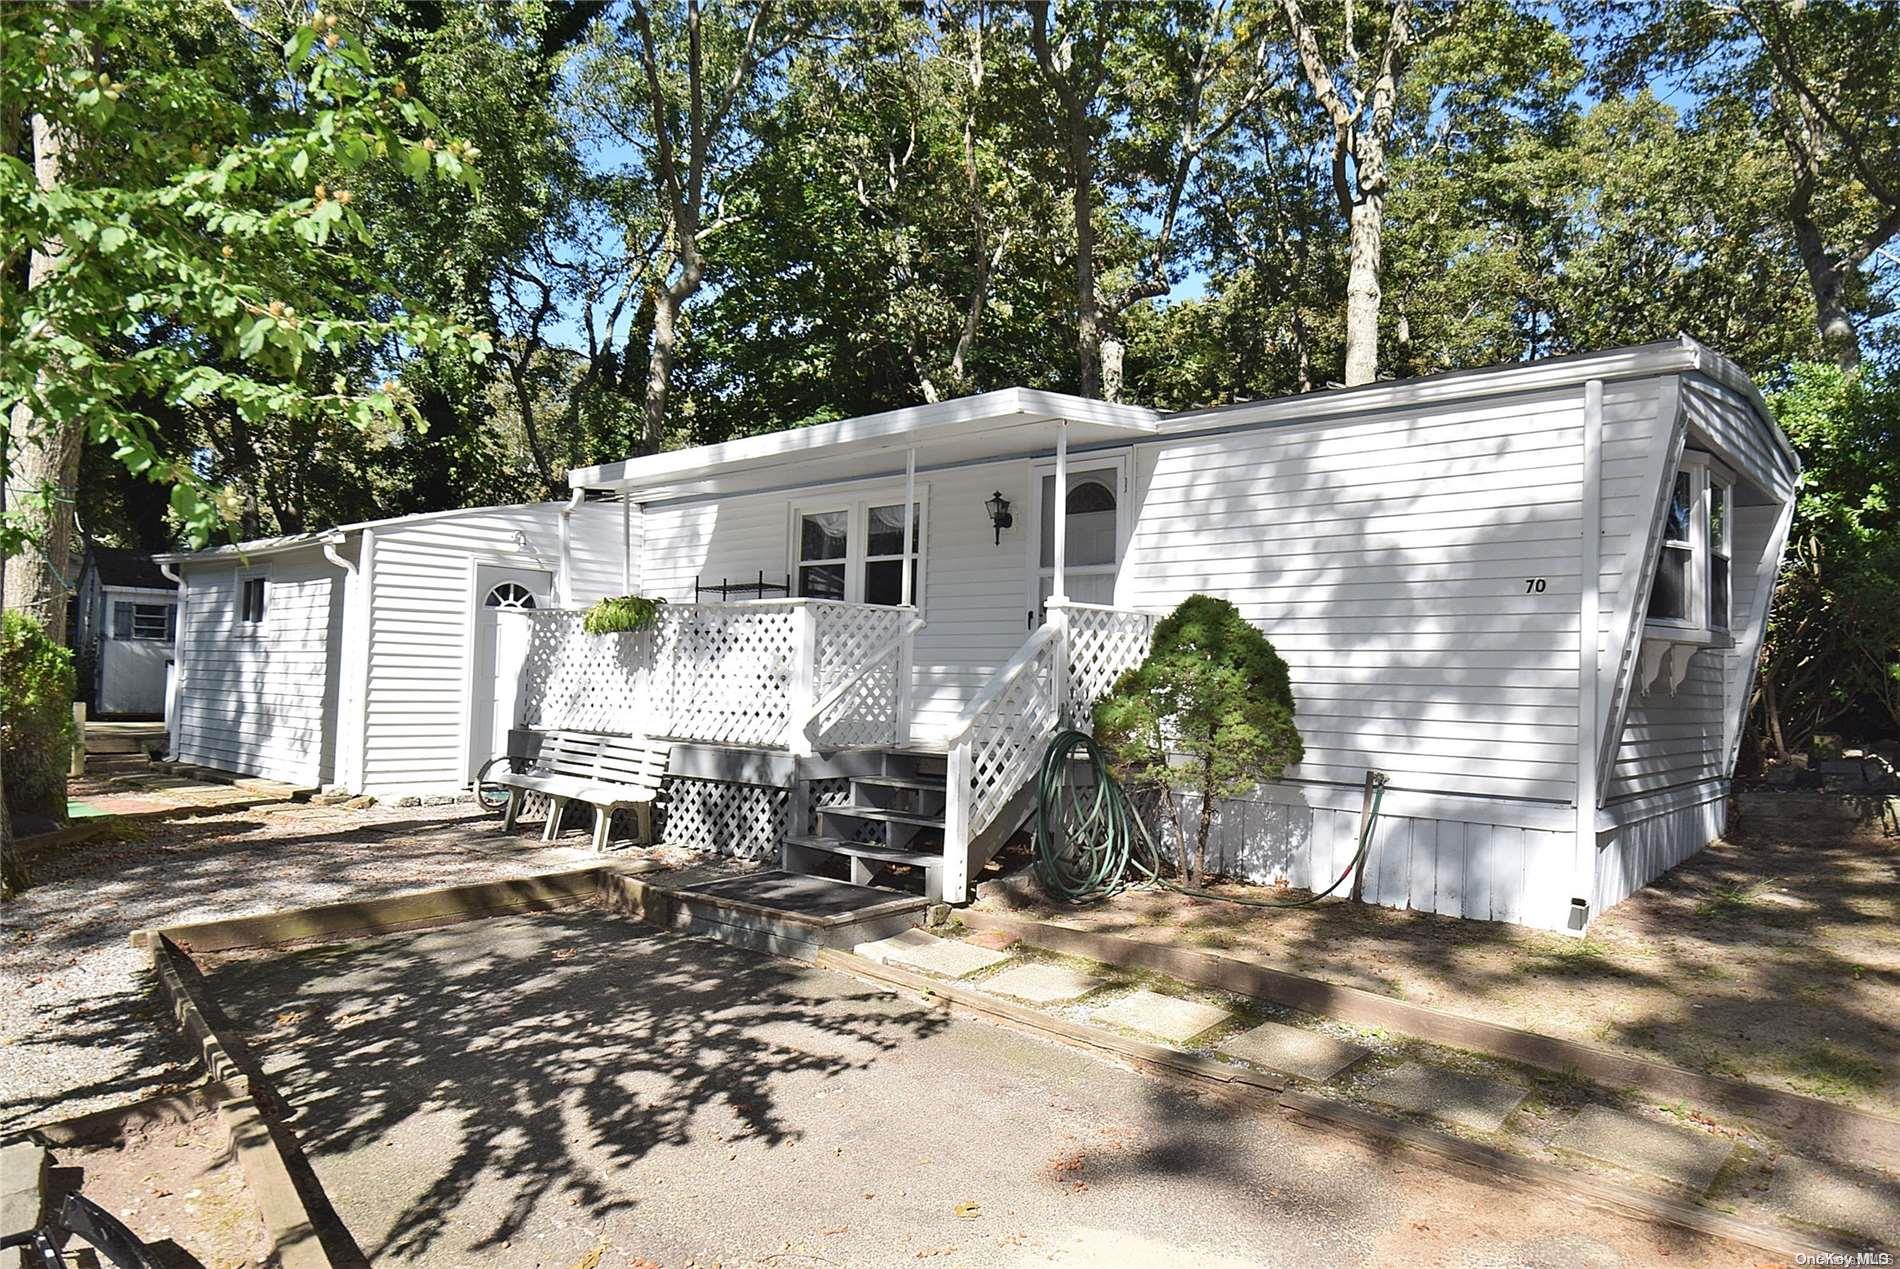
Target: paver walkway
x=1684, y=1156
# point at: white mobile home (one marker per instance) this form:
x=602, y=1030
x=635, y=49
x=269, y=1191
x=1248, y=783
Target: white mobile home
x=1532, y=595
x=126, y=619
x=344, y=657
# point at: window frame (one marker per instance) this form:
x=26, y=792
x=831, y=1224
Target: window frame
x=1121, y=462
x=857, y=509
x=1706, y=474
x=167, y=618
x=247, y=627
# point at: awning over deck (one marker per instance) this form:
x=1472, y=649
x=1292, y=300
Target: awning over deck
x=1009, y=423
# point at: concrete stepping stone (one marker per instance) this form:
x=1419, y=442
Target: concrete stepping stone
x=920, y=950
x=1470, y=1101
x=1686, y=1156
x=1833, y=1196
x=1311, y=1055
x=1041, y=983
x=1168, y=1017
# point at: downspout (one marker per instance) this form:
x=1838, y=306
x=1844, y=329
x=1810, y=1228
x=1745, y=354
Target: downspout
x=1589, y=660
x=567, y=549
x=175, y=689
x=351, y=714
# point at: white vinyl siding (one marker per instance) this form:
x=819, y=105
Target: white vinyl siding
x=420, y=622
x=261, y=701
x=1388, y=560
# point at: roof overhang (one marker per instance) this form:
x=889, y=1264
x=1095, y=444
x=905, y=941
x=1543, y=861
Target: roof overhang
x=989, y=425
x=242, y=551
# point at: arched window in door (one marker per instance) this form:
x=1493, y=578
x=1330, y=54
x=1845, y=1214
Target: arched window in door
x=1091, y=536
x=510, y=595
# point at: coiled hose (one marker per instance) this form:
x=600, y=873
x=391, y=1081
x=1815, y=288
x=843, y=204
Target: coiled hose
x=1103, y=847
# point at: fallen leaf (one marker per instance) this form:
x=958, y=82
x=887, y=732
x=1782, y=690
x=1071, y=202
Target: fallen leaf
x=592, y=1259
x=968, y=1210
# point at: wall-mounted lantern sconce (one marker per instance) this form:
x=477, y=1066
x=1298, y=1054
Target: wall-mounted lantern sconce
x=1000, y=518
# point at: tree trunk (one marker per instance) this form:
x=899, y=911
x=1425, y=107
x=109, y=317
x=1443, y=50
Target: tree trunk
x=1088, y=303
x=44, y=462
x=1363, y=292
x=1772, y=707
x=1113, y=351
x=666, y=319
x=1827, y=278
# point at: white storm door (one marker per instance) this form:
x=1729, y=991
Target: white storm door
x=1098, y=530
x=500, y=648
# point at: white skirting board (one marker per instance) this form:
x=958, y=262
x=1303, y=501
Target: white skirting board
x=1487, y=872
x=1638, y=851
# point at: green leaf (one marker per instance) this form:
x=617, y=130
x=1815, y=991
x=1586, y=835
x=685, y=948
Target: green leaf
x=111, y=238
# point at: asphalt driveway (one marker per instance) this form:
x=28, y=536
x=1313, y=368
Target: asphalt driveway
x=574, y=1088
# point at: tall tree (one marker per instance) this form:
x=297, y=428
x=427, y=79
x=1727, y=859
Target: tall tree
x=674, y=84
x=1360, y=96
x=1137, y=95
x=1822, y=79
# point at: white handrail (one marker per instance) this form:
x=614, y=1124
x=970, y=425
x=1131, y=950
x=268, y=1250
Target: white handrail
x=870, y=662
x=1012, y=670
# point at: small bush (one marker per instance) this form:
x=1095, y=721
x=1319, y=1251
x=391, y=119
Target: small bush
x=621, y=614
x=1210, y=711
x=36, y=735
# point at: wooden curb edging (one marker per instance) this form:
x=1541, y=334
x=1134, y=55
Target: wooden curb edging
x=1268, y=1091
x=390, y=914
x=1850, y=1135
x=303, y=1228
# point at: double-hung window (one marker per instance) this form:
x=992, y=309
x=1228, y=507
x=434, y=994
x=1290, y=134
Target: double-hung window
x=855, y=551
x=1690, y=595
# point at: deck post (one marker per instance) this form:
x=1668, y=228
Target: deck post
x=956, y=822
x=1059, y=588
x=804, y=685
x=900, y=726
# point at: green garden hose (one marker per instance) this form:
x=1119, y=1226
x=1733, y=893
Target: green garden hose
x=1103, y=847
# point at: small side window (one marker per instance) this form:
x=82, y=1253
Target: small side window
x=251, y=602
x=1669, y=597
x=1718, y=556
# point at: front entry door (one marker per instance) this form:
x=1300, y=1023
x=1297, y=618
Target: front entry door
x=1097, y=531
x=501, y=645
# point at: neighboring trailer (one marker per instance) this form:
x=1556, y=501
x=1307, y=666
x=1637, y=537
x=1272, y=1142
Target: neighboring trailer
x=346, y=658
x=1457, y=569
x=125, y=628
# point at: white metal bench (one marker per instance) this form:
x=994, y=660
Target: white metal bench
x=608, y=773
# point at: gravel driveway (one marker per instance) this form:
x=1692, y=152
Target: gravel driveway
x=80, y=1025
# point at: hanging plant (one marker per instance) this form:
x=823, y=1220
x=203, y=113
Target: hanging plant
x=621, y=614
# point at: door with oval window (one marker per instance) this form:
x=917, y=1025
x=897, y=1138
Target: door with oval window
x=1097, y=531
x=500, y=637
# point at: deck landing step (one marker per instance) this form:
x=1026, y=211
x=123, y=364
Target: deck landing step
x=791, y=914
x=883, y=813
x=870, y=850
x=927, y=784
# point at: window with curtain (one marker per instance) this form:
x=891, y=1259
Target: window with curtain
x=884, y=553
x=824, y=542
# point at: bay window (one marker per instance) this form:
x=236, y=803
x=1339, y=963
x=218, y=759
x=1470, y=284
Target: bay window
x=1690, y=595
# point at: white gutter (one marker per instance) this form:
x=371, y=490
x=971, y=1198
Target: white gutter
x=567, y=550
x=175, y=688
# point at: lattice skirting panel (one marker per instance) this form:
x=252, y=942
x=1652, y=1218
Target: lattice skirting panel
x=746, y=821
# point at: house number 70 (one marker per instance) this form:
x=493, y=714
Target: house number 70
x=1533, y=586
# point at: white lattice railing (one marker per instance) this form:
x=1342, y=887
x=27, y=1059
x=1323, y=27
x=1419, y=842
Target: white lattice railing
x=996, y=742
x=1104, y=644
x=793, y=673
x=861, y=688
x=573, y=681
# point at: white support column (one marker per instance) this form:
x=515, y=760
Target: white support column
x=910, y=500
x=566, y=580
x=1589, y=669
x=1059, y=589
x=626, y=545
x=804, y=684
